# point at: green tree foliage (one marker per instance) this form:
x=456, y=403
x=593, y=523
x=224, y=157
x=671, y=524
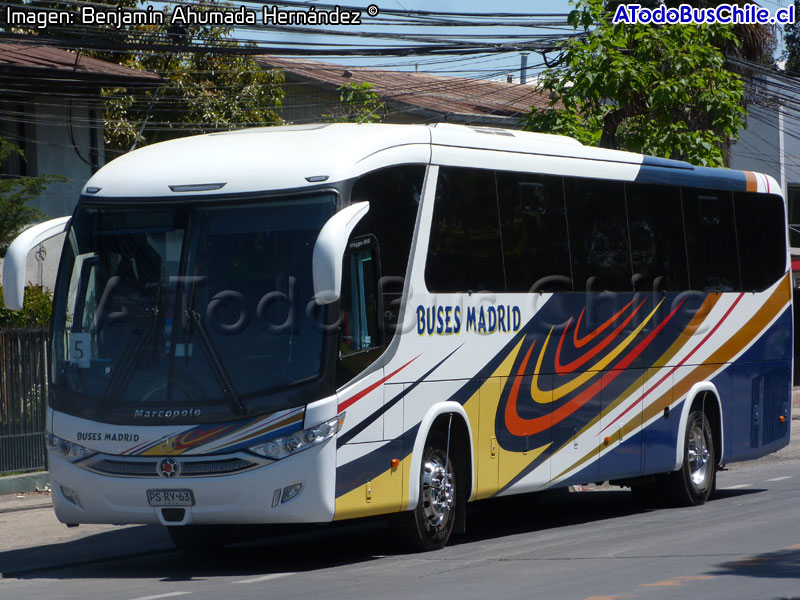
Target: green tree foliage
x=202, y=90
x=644, y=88
x=791, y=37
x=359, y=103
x=755, y=42
x=15, y=194
x=36, y=309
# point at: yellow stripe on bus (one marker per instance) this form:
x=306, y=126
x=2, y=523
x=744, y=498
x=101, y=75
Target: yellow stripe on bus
x=384, y=494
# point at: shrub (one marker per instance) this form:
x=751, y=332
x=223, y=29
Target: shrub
x=35, y=313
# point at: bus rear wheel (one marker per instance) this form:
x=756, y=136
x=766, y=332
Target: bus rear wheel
x=429, y=525
x=693, y=483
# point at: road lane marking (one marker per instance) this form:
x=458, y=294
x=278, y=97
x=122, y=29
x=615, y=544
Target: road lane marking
x=263, y=578
x=780, y=478
x=170, y=595
x=737, y=487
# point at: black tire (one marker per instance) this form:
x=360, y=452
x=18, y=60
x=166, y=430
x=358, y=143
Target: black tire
x=197, y=539
x=693, y=483
x=430, y=524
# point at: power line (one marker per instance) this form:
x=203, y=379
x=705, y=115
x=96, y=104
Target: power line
x=413, y=45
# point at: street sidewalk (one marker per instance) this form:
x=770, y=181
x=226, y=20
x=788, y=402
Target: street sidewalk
x=32, y=538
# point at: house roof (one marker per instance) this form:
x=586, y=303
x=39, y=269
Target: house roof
x=34, y=65
x=435, y=93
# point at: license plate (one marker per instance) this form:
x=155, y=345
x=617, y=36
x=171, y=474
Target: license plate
x=170, y=497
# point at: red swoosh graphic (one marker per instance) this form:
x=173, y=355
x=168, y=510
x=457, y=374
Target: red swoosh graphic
x=136, y=447
x=581, y=360
x=518, y=426
x=675, y=368
x=367, y=390
x=580, y=343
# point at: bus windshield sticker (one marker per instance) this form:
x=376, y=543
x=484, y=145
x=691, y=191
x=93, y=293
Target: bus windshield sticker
x=80, y=349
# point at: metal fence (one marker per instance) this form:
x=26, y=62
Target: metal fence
x=23, y=399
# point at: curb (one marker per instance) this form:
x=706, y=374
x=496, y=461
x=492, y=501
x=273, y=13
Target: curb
x=38, y=506
x=29, y=482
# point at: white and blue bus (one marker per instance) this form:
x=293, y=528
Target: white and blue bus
x=314, y=323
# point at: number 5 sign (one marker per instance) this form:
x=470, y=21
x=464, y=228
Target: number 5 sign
x=80, y=349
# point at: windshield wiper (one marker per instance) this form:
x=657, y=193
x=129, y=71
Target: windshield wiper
x=130, y=357
x=131, y=354
x=194, y=320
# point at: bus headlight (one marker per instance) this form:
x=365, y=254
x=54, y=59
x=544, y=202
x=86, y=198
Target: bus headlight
x=287, y=445
x=69, y=450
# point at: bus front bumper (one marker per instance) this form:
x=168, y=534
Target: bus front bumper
x=296, y=489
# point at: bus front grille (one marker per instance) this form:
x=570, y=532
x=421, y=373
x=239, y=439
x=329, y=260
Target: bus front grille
x=188, y=468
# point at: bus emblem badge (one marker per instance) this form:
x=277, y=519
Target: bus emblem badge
x=169, y=468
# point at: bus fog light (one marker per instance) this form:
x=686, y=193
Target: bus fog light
x=284, y=446
x=70, y=495
x=291, y=491
x=276, y=498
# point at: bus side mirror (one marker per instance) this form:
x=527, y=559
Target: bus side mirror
x=329, y=252
x=17, y=256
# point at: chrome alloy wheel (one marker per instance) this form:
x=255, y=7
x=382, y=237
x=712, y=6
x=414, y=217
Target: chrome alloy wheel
x=698, y=455
x=438, y=491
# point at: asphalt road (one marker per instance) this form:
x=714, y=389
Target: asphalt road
x=745, y=544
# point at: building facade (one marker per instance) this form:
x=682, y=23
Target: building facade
x=51, y=107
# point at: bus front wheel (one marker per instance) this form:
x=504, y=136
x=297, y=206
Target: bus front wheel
x=693, y=483
x=429, y=525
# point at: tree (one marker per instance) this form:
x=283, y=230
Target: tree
x=359, y=103
x=791, y=37
x=756, y=42
x=660, y=90
x=203, y=89
x=15, y=195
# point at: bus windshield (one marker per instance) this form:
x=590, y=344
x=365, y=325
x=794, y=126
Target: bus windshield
x=180, y=310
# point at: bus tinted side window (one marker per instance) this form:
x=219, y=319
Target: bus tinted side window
x=360, y=340
x=762, y=249
x=793, y=202
x=711, y=240
x=464, y=253
x=534, y=227
x=598, y=233
x=393, y=194
x=375, y=265
x=658, y=244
